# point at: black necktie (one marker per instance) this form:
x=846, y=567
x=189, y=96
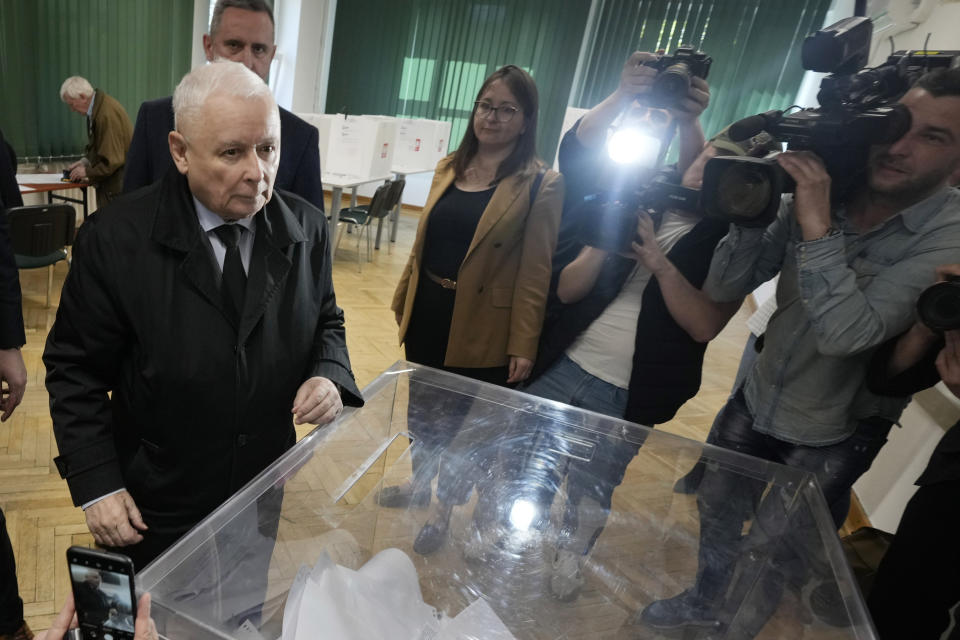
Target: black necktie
x=234, y=277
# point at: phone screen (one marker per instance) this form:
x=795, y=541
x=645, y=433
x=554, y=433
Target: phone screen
x=103, y=600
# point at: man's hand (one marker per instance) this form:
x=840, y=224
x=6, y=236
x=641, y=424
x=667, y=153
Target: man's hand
x=647, y=251
x=144, y=627
x=812, y=196
x=697, y=99
x=79, y=172
x=948, y=271
x=948, y=362
x=636, y=78
x=115, y=521
x=519, y=369
x=13, y=381
x=317, y=402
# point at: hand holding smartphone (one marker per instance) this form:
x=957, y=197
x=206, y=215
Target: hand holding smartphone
x=103, y=593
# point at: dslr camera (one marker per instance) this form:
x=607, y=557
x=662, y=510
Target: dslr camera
x=858, y=109
x=675, y=72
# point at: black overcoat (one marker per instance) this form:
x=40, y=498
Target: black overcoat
x=199, y=405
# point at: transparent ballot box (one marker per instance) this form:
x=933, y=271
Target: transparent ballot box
x=450, y=508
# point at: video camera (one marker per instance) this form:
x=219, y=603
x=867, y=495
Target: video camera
x=858, y=109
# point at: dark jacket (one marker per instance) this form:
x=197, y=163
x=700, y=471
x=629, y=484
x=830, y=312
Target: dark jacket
x=667, y=362
x=199, y=406
x=944, y=462
x=11, y=317
x=149, y=157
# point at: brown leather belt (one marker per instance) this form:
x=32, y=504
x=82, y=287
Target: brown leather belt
x=446, y=283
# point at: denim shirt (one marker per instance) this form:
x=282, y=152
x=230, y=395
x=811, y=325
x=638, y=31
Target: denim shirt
x=838, y=298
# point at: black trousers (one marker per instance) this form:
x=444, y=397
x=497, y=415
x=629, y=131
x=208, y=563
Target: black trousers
x=917, y=585
x=11, y=606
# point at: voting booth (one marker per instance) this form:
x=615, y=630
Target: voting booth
x=307, y=550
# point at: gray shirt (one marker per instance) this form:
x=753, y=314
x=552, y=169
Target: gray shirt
x=838, y=298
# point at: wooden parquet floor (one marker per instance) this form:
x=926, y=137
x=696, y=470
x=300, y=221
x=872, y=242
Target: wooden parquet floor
x=40, y=517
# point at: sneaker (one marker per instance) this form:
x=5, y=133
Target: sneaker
x=401, y=496
x=566, y=575
x=683, y=610
x=23, y=633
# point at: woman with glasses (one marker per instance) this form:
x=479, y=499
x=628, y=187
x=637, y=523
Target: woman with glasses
x=472, y=297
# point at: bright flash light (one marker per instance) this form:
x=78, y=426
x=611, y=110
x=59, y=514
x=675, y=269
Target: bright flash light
x=522, y=514
x=632, y=146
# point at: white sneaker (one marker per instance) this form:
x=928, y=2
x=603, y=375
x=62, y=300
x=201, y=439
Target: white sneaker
x=566, y=575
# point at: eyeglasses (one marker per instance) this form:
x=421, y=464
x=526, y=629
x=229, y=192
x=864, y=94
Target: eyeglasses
x=503, y=113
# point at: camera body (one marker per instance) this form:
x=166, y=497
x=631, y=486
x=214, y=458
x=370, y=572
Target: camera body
x=610, y=219
x=675, y=72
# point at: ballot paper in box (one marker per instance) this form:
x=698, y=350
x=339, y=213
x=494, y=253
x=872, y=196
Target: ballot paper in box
x=420, y=143
x=561, y=523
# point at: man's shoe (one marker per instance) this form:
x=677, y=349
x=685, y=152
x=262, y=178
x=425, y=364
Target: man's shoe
x=402, y=496
x=566, y=575
x=23, y=633
x=684, y=610
x=431, y=537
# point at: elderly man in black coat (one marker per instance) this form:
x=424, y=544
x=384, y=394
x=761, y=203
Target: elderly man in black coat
x=197, y=319
x=242, y=31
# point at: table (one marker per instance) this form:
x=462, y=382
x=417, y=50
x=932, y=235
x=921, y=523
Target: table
x=524, y=456
x=401, y=173
x=338, y=182
x=51, y=182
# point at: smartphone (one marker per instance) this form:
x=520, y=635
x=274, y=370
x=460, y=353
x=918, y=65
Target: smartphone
x=103, y=593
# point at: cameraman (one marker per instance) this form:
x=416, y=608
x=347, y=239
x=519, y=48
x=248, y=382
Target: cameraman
x=916, y=586
x=849, y=277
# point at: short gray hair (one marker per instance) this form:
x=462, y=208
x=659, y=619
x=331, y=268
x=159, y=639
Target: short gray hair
x=260, y=6
x=225, y=78
x=74, y=87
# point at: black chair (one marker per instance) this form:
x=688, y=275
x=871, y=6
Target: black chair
x=393, y=203
x=362, y=216
x=40, y=235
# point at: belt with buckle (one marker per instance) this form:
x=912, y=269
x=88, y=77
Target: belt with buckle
x=446, y=283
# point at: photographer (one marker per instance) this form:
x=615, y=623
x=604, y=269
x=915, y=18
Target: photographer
x=583, y=155
x=628, y=341
x=917, y=574
x=849, y=276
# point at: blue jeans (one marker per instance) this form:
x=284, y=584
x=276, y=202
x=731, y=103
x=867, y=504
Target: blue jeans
x=781, y=536
x=566, y=381
x=598, y=477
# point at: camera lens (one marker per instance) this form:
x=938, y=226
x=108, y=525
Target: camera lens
x=744, y=190
x=939, y=306
x=673, y=83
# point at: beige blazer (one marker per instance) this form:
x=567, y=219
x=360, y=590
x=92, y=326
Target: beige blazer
x=502, y=283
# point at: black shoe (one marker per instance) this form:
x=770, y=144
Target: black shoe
x=827, y=604
x=689, y=483
x=401, y=496
x=431, y=537
x=684, y=610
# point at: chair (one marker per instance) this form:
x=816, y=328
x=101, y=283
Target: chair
x=393, y=202
x=362, y=216
x=40, y=235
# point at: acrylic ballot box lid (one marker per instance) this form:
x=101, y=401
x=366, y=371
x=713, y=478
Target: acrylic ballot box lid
x=527, y=483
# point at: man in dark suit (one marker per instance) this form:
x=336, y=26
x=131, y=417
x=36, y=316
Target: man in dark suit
x=13, y=380
x=242, y=31
x=205, y=304
x=91, y=601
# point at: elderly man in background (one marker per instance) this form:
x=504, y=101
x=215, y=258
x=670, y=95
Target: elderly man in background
x=205, y=305
x=242, y=31
x=109, y=131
